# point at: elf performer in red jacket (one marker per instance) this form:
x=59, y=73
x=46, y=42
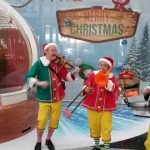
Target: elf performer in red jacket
x=100, y=103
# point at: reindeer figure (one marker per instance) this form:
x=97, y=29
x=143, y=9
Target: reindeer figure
x=119, y=4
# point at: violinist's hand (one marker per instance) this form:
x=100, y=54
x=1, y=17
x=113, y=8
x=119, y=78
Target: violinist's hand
x=43, y=84
x=146, y=90
x=88, y=89
x=76, y=70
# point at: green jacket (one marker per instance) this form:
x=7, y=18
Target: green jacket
x=40, y=71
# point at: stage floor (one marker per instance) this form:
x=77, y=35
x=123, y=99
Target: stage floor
x=73, y=133
x=27, y=142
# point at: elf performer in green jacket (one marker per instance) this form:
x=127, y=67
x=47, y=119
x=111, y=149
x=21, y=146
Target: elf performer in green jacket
x=47, y=77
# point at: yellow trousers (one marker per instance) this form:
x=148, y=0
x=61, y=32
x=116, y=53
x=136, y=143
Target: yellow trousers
x=54, y=109
x=100, y=124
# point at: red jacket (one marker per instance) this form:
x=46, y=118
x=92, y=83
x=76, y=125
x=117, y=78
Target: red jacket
x=101, y=98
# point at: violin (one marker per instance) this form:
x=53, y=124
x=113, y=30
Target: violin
x=68, y=64
x=61, y=60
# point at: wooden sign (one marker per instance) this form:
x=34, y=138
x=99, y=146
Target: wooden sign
x=97, y=24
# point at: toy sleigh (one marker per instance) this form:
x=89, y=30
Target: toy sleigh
x=129, y=87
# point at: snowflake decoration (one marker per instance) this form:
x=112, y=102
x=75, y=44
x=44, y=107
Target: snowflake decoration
x=128, y=20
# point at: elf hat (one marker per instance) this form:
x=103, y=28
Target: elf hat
x=107, y=60
x=47, y=45
x=83, y=68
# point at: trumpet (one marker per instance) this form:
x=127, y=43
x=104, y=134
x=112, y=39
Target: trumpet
x=101, y=79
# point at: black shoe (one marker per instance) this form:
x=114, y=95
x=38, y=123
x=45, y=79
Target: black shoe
x=38, y=146
x=50, y=145
x=96, y=148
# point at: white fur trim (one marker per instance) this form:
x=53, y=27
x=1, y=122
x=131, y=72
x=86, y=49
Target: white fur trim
x=48, y=45
x=44, y=61
x=69, y=77
x=83, y=89
x=110, y=75
x=31, y=82
x=106, y=61
x=110, y=86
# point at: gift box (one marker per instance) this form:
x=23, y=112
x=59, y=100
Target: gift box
x=126, y=82
x=126, y=78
